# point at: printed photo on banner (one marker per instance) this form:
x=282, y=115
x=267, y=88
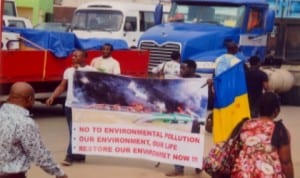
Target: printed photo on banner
x=139, y=118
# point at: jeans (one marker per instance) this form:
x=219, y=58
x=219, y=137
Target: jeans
x=68, y=113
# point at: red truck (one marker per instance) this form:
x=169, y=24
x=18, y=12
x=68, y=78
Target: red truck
x=44, y=71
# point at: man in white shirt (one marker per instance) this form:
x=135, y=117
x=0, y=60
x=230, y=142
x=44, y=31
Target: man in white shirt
x=170, y=69
x=106, y=63
x=79, y=63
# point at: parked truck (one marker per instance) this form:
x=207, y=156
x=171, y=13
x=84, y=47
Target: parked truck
x=200, y=29
x=10, y=19
x=118, y=20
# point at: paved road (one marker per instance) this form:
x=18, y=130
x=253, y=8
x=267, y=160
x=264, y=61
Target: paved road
x=54, y=131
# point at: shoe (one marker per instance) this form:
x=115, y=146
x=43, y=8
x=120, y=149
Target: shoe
x=174, y=173
x=79, y=160
x=198, y=171
x=67, y=162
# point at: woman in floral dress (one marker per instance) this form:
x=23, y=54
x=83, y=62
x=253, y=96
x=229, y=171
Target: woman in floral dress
x=266, y=151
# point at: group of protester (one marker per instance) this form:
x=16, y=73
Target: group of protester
x=269, y=156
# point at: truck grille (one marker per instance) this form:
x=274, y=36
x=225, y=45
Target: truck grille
x=159, y=53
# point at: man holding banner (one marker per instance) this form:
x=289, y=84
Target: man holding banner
x=187, y=70
x=79, y=64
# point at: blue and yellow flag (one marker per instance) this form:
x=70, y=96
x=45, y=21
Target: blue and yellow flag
x=231, y=101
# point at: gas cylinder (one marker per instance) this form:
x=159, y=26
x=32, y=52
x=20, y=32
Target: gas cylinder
x=280, y=80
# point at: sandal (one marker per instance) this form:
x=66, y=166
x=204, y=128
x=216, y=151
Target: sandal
x=174, y=173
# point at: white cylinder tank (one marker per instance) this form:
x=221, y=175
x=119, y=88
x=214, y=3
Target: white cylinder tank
x=280, y=80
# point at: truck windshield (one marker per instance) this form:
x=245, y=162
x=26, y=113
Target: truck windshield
x=97, y=20
x=231, y=16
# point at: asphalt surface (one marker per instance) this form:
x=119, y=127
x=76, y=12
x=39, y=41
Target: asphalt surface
x=54, y=132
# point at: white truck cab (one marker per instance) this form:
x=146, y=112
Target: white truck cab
x=19, y=22
x=10, y=40
x=117, y=20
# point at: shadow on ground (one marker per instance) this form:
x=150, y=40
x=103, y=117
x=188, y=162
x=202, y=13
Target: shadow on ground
x=42, y=111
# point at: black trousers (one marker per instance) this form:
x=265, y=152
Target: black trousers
x=14, y=175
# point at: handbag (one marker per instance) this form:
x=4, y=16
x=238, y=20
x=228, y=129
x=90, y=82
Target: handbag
x=221, y=157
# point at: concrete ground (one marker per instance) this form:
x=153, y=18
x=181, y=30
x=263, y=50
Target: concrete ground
x=54, y=132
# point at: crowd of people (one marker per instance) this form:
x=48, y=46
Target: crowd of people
x=266, y=150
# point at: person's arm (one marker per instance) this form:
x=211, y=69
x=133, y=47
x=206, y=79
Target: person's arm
x=266, y=86
x=285, y=157
x=58, y=91
x=157, y=69
x=265, y=80
x=35, y=149
x=93, y=62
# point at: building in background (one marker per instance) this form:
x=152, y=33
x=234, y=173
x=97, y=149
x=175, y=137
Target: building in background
x=63, y=13
x=36, y=11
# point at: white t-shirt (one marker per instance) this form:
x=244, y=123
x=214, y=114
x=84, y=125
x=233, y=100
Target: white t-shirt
x=170, y=69
x=69, y=75
x=107, y=65
x=224, y=62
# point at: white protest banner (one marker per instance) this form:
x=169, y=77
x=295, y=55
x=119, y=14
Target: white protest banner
x=139, y=118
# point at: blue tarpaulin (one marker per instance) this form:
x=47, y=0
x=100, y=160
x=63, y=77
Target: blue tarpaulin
x=97, y=43
x=61, y=44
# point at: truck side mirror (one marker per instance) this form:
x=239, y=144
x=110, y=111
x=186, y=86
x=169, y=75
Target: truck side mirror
x=270, y=18
x=158, y=13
